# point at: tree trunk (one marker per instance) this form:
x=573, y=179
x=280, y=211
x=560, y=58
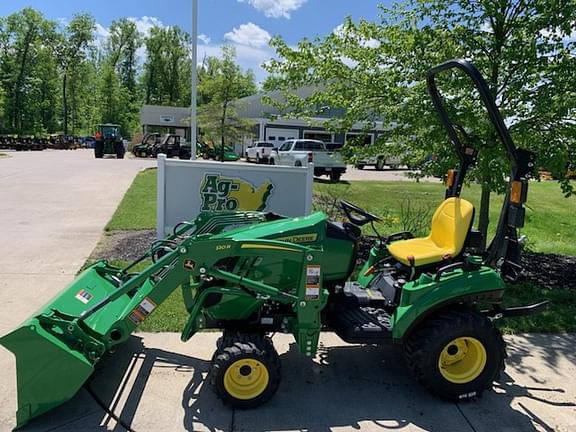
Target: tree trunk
x=17, y=108
x=65, y=101
x=222, y=123
x=484, y=216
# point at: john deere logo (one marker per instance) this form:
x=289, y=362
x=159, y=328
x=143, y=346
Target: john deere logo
x=233, y=194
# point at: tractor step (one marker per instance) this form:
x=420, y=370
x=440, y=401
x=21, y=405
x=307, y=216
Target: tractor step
x=365, y=325
x=353, y=295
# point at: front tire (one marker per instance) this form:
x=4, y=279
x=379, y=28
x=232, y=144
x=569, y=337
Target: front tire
x=245, y=370
x=335, y=177
x=456, y=354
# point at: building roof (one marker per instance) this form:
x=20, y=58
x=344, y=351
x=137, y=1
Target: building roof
x=252, y=107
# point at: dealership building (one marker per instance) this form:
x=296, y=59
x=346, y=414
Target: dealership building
x=269, y=125
x=272, y=127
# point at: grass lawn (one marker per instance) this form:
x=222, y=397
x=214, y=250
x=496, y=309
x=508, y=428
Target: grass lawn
x=549, y=220
x=137, y=210
x=549, y=226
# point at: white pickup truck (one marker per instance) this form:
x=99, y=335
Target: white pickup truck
x=259, y=152
x=301, y=151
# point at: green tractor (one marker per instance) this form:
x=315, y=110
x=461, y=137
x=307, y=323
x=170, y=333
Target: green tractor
x=251, y=274
x=108, y=141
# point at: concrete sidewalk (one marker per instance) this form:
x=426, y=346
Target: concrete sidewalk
x=53, y=206
x=156, y=383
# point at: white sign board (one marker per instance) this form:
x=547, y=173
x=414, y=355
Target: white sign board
x=187, y=188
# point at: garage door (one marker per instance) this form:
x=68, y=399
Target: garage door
x=277, y=135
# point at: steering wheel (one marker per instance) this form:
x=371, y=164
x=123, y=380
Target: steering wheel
x=357, y=215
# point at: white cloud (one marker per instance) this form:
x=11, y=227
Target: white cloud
x=342, y=32
x=204, y=38
x=275, y=8
x=101, y=31
x=145, y=24
x=247, y=57
x=558, y=34
x=250, y=35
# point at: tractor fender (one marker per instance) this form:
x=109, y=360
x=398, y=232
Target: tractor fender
x=424, y=298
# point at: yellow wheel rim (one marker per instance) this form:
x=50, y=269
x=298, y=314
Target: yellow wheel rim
x=462, y=360
x=246, y=379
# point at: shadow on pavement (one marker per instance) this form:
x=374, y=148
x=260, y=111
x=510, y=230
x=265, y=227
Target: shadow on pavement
x=359, y=387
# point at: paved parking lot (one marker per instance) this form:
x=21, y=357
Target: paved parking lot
x=53, y=207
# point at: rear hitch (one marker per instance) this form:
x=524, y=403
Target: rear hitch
x=498, y=312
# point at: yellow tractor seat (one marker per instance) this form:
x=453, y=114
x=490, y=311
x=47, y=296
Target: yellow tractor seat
x=450, y=225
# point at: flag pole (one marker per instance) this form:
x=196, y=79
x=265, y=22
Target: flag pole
x=193, y=111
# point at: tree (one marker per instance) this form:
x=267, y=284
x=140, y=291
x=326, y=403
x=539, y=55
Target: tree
x=70, y=48
x=22, y=43
x=377, y=71
x=223, y=83
x=166, y=78
x=118, y=70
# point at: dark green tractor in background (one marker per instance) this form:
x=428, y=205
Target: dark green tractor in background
x=108, y=141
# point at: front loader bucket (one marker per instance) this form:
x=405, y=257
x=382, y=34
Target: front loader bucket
x=56, y=349
x=48, y=372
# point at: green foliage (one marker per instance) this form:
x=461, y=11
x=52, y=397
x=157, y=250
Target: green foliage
x=222, y=82
x=377, y=71
x=71, y=49
x=56, y=78
x=166, y=77
x=27, y=72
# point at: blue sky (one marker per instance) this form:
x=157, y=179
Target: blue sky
x=247, y=24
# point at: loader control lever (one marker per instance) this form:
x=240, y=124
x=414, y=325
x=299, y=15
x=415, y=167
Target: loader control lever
x=357, y=215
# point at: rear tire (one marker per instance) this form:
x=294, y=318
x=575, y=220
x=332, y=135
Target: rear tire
x=119, y=150
x=456, y=354
x=271, y=162
x=335, y=177
x=360, y=167
x=245, y=370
